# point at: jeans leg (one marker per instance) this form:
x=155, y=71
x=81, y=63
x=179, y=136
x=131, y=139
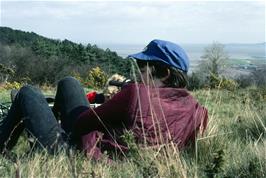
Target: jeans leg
x=31, y=108
x=11, y=128
x=70, y=101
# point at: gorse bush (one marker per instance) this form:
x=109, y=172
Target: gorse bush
x=96, y=78
x=13, y=85
x=228, y=84
x=197, y=81
x=221, y=82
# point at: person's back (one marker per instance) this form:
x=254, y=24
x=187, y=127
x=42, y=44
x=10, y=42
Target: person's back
x=166, y=114
x=154, y=116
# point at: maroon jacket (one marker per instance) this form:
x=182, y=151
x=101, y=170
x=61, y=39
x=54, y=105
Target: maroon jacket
x=154, y=115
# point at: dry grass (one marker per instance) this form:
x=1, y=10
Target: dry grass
x=232, y=146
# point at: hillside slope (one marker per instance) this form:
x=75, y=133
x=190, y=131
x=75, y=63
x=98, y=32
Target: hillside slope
x=17, y=46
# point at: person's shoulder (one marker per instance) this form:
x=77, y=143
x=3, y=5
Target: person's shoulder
x=134, y=89
x=175, y=91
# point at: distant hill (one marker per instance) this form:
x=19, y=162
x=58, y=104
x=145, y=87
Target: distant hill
x=69, y=55
x=10, y=36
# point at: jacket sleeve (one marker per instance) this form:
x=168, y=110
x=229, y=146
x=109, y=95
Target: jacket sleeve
x=113, y=112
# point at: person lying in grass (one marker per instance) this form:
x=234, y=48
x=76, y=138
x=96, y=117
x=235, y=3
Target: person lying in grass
x=157, y=110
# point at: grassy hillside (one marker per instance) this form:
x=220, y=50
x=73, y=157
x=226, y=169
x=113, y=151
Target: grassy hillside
x=232, y=146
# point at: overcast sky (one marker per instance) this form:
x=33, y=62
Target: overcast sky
x=138, y=22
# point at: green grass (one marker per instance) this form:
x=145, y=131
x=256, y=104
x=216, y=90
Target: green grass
x=4, y=95
x=232, y=146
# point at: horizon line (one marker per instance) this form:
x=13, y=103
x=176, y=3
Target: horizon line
x=130, y=43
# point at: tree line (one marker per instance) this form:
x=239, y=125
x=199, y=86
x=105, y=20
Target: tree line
x=40, y=60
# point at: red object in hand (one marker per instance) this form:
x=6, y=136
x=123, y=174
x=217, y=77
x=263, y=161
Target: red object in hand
x=91, y=96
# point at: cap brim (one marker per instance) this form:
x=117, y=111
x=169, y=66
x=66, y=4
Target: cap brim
x=142, y=56
x=145, y=57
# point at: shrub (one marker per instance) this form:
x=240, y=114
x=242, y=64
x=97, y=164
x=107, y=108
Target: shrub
x=195, y=81
x=228, y=84
x=255, y=78
x=245, y=81
x=222, y=83
x=97, y=78
x=77, y=76
x=5, y=72
x=13, y=85
x=198, y=81
x=259, y=76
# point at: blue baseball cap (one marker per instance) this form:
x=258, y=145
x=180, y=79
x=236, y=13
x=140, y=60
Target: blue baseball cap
x=166, y=52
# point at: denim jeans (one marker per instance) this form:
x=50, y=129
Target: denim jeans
x=31, y=112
